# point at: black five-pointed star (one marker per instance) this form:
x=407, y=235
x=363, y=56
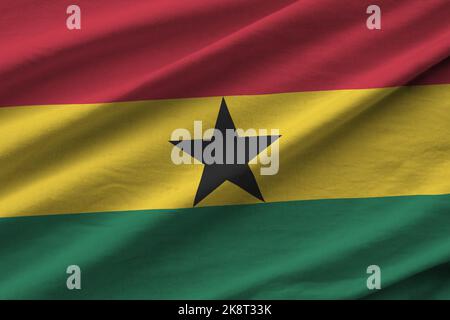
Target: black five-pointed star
x=237, y=172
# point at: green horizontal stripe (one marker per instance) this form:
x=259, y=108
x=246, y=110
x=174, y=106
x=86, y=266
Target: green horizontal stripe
x=290, y=250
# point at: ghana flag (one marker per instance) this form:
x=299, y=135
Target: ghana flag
x=351, y=142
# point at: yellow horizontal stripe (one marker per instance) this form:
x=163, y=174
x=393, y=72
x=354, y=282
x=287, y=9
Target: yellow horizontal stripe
x=116, y=156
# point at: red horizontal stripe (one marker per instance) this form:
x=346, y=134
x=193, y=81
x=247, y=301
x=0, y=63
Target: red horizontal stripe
x=169, y=48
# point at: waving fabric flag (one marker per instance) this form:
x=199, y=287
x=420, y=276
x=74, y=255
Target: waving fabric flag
x=87, y=123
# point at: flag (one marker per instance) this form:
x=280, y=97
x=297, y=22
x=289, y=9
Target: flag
x=106, y=163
